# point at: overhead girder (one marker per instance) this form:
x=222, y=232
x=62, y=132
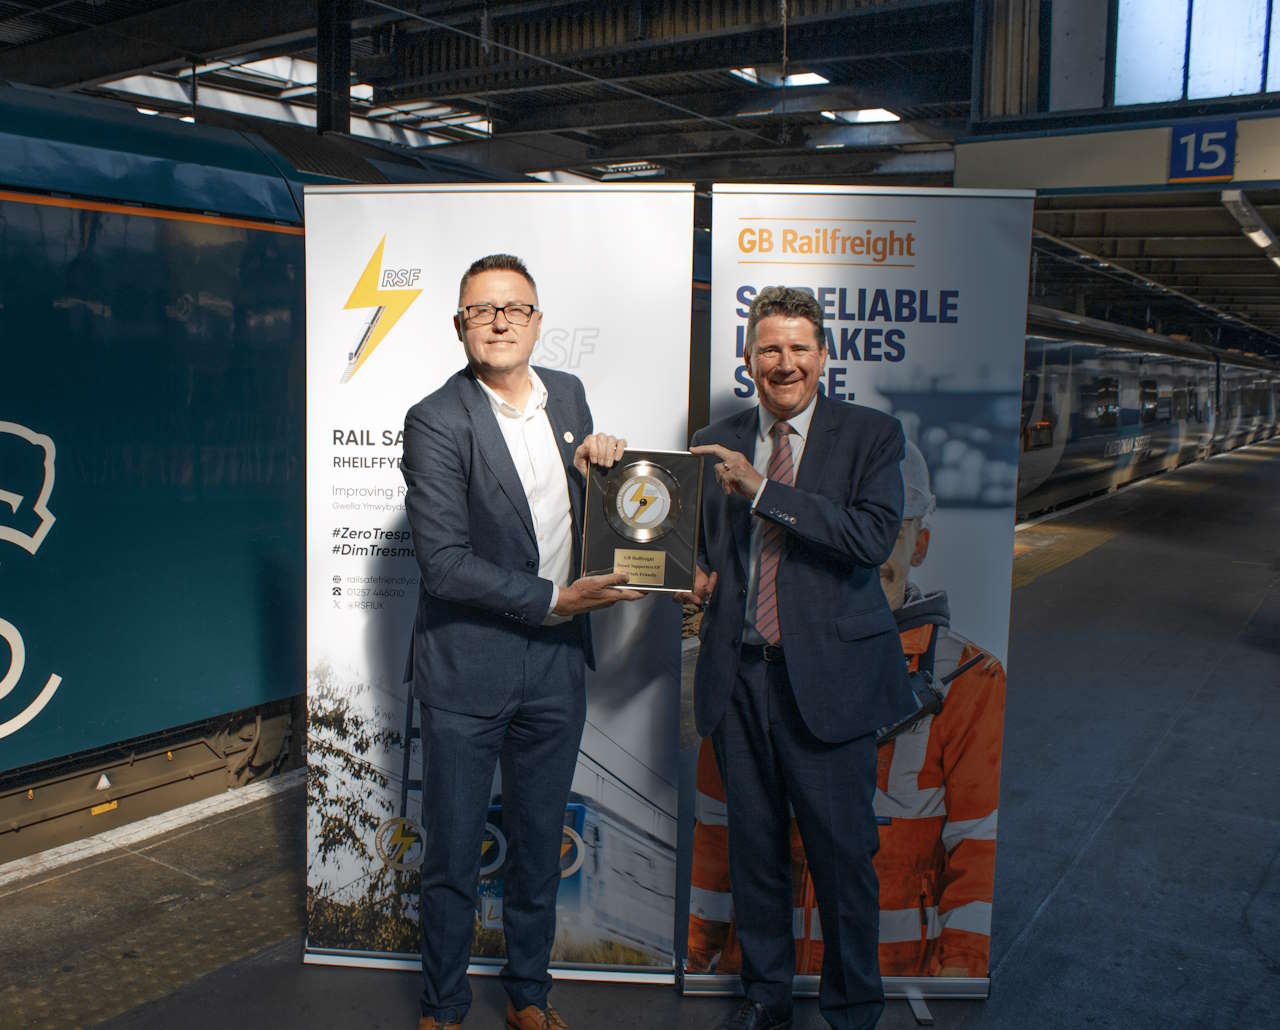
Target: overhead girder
x=677, y=37
x=635, y=113
x=723, y=143
x=144, y=42
x=548, y=152
x=925, y=168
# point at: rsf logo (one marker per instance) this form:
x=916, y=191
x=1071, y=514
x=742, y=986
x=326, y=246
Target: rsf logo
x=390, y=292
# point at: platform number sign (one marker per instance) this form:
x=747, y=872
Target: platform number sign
x=1202, y=152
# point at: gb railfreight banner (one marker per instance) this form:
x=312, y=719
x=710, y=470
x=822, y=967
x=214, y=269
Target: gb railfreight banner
x=923, y=294
x=612, y=266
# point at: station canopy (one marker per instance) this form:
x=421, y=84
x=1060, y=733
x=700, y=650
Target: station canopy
x=825, y=91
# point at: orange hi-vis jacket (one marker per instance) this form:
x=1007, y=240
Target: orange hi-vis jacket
x=937, y=786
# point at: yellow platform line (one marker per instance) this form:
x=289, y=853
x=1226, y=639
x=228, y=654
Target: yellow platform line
x=1048, y=546
x=1042, y=549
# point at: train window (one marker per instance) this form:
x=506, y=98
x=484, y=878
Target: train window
x=1037, y=425
x=1100, y=404
x=1147, y=400
x=1178, y=403
x=1030, y=390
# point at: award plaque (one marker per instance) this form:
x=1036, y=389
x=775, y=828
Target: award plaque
x=642, y=518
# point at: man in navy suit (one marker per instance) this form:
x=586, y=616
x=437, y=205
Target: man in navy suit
x=495, y=462
x=800, y=660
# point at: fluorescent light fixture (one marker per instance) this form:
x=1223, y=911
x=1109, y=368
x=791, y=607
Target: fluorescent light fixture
x=1251, y=223
x=188, y=119
x=863, y=116
x=1275, y=260
x=362, y=91
x=483, y=125
x=875, y=114
x=147, y=110
x=806, y=79
x=829, y=146
x=746, y=74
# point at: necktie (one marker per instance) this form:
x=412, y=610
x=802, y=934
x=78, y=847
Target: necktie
x=781, y=470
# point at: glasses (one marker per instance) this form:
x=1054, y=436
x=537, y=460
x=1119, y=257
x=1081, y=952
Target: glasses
x=483, y=314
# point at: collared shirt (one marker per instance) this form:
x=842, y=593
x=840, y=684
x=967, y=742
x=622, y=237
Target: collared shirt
x=536, y=456
x=764, y=451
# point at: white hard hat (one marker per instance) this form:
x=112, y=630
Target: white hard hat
x=919, y=500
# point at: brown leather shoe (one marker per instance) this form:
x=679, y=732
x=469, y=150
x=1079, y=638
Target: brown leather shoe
x=533, y=1018
x=431, y=1023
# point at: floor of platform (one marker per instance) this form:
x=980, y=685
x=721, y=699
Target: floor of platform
x=1138, y=872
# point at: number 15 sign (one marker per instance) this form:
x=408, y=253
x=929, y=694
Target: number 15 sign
x=1202, y=152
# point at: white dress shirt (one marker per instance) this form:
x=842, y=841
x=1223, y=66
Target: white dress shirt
x=536, y=456
x=764, y=451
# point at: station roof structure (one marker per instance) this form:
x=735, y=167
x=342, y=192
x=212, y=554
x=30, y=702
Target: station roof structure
x=826, y=91
x=841, y=90
x=1179, y=262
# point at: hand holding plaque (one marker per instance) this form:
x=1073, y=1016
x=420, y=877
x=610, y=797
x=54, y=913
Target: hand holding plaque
x=642, y=518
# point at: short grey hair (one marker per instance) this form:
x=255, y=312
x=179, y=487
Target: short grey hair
x=495, y=263
x=788, y=302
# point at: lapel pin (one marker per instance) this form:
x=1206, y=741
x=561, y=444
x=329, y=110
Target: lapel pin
x=568, y=436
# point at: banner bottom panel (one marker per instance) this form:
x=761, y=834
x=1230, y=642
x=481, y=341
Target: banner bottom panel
x=938, y=988
x=410, y=963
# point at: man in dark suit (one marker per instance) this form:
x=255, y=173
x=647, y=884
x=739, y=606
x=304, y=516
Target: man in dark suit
x=495, y=462
x=800, y=660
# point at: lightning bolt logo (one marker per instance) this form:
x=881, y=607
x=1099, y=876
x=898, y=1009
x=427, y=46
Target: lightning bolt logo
x=388, y=305
x=400, y=843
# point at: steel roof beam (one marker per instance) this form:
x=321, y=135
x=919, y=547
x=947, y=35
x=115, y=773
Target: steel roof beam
x=883, y=136
x=157, y=39
x=743, y=103
x=931, y=167
x=442, y=63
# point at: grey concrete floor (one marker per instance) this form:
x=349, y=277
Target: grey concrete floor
x=1137, y=880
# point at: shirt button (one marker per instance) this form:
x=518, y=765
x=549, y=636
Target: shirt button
x=531, y=565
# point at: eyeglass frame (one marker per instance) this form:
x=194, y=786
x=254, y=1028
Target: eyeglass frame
x=469, y=321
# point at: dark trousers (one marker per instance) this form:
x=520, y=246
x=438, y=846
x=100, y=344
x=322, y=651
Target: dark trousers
x=536, y=737
x=768, y=758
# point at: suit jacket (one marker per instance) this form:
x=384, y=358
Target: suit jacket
x=480, y=595
x=843, y=655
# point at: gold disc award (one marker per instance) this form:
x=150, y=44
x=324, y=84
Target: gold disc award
x=642, y=518
x=642, y=501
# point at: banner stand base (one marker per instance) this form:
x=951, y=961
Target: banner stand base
x=411, y=963
x=919, y=1009
x=911, y=989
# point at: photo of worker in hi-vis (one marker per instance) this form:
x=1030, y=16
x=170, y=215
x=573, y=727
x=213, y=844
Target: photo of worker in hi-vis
x=936, y=802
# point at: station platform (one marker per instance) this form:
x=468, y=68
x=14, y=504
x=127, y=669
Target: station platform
x=1138, y=870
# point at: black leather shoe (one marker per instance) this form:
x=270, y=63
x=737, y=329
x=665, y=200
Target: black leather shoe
x=751, y=1015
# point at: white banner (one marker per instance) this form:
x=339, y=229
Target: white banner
x=612, y=266
x=924, y=296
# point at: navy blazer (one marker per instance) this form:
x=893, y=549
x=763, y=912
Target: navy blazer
x=480, y=595
x=844, y=657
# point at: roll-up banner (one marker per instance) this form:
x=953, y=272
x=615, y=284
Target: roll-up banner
x=612, y=266
x=924, y=296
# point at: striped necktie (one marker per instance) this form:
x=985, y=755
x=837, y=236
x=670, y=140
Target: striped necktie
x=782, y=470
